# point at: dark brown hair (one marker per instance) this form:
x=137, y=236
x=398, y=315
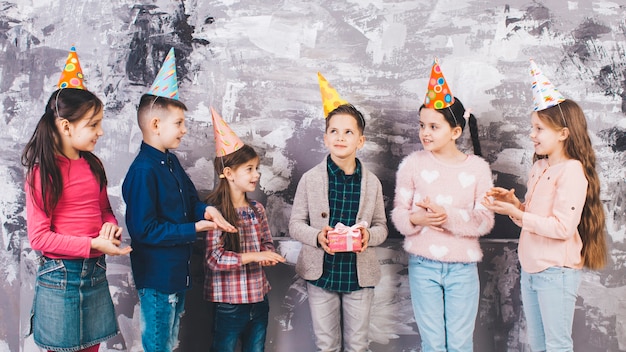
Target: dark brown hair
x=220, y=196
x=454, y=116
x=45, y=144
x=578, y=146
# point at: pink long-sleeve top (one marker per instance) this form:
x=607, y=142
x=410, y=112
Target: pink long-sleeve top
x=552, y=208
x=459, y=188
x=77, y=218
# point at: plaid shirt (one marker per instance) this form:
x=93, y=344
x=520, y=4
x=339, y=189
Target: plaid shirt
x=344, y=193
x=226, y=279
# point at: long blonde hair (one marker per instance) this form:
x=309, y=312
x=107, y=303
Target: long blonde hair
x=592, y=229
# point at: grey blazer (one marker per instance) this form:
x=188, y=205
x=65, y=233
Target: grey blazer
x=311, y=213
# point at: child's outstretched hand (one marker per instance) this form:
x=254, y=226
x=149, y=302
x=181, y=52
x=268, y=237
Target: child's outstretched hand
x=503, y=202
x=109, y=247
x=504, y=195
x=265, y=258
x=214, y=215
x=434, y=215
x=322, y=239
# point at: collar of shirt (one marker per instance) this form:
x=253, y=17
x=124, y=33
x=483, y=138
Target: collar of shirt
x=337, y=172
x=155, y=154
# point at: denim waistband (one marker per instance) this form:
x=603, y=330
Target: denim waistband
x=43, y=259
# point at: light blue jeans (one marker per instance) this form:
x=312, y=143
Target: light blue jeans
x=549, y=300
x=445, y=303
x=160, y=319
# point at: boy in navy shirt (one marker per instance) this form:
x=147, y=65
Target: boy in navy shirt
x=163, y=214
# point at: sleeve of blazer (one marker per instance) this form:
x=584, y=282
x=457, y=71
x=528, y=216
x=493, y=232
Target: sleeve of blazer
x=300, y=223
x=378, y=227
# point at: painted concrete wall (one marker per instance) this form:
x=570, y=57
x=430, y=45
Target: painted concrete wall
x=256, y=62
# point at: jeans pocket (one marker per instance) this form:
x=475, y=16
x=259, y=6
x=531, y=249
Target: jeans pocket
x=99, y=272
x=226, y=308
x=52, y=274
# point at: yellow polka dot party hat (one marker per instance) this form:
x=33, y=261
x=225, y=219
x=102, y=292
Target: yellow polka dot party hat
x=72, y=74
x=226, y=141
x=330, y=98
x=438, y=95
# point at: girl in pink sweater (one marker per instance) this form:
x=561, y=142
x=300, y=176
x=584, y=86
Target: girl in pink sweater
x=437, y=208
x=71, y=223
x=562, y=219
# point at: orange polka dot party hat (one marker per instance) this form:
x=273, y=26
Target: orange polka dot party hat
x=330, y=98
x=226, y=141
x=438, y=95
x=166, y=82
x=72, y=74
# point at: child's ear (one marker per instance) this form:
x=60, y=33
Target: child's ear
x=564, y=134
x=456, y=132
x=227, y=172
x=64, y=126
x=361, y=142
x=154, y=124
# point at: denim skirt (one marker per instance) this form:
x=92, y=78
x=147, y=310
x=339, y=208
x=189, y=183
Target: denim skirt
x=72, y=307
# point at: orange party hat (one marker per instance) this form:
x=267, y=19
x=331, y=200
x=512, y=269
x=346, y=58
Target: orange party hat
x=72, y=74
x=438, y=95
x=330, y=98
x=226, y=141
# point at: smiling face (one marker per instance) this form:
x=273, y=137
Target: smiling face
x=342, y=137
x=435, y=132
x=243, y=177
x=170, y=128
x=82, y=134
x=546, y=139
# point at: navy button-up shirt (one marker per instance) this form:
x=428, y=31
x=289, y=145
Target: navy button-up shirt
x=162, y=206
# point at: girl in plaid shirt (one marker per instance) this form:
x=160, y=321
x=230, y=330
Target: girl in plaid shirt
x=234, y=276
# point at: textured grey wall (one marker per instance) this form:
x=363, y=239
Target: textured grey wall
x=256, y=61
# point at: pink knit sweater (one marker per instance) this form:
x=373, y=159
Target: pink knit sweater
x=459, y=188
x=77, y=218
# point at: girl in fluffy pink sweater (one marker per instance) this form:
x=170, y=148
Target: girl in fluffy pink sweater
x=437, y=208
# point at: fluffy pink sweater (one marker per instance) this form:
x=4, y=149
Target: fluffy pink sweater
x=459, y=188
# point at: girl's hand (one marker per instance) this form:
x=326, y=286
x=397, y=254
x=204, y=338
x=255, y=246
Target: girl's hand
x=214, y=215
x=265, y=258
x=502, y=207
x=109, y=247
x=365, y=238
x=431, y=215
x=322, y=239
x=110, y=231
x=504, y=195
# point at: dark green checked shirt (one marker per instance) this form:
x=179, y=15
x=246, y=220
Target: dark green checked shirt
x=344, y=193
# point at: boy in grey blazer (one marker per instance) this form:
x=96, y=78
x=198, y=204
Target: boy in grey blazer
x=339, y=189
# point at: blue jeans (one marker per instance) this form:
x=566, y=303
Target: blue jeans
x=445, y=302
x=549, y=300
x=160, y=319
x=247, y=322
x=72, y=308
